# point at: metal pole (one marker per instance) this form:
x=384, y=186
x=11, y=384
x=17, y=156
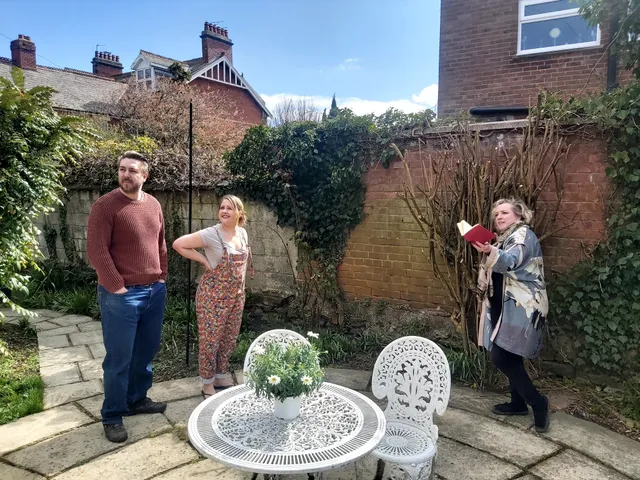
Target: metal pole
x=190, y=218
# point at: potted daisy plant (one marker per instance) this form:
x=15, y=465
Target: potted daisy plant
x=285, y=373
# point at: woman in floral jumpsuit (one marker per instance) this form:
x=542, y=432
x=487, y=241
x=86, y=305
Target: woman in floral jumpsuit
x=220, y=296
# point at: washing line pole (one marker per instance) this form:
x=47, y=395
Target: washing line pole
x=190, y=218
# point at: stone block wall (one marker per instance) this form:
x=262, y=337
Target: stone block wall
x=274, y=252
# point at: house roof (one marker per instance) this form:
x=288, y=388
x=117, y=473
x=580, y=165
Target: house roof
x=75, y=89
x=198, y=67
x=158, y=59
x=200, y=72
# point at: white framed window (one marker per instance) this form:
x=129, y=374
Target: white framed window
x=553, y=25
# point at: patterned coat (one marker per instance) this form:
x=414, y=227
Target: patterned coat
x=521, y=325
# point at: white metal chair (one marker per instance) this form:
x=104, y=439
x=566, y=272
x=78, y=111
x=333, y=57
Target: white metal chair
x=281, y=336
x=413, y=374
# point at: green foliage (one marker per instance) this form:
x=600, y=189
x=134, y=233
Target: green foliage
x=78, y=302
x=179, y=73
x=334, y=111
x=310, y=174
x=474, y=369
x=99, y=169
x=624, y=16
x=631, y=399
x=601, y=297
x=21, y=388
x=286, y=371
x=34, y=143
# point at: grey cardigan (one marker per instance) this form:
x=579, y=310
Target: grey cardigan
x=521, y=325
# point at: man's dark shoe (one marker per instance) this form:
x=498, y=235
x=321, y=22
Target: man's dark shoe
x=510, y=409
x=147, y=406
x=541, y=416
x=115, y=432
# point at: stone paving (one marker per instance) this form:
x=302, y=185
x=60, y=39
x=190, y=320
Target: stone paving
x=66, y=440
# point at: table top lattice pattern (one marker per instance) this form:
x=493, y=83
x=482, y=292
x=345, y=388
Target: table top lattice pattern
x=336, y=426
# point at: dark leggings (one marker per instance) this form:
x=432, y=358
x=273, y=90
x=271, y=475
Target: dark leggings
x=522, y=388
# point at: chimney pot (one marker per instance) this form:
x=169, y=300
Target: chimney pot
x=118, y=58
x=23, y=53
x=206, y=25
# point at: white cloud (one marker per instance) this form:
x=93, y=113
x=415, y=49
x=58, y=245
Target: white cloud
x=427, y=98
x=350, y=64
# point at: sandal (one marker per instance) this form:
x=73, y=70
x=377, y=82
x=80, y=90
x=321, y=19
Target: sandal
x=206, y=395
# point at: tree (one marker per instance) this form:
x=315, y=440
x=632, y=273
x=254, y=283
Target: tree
x=334, y=111
x=34, y=143
x=623, y=17
x=179, y=73
x=156, y=122
x=290, y=110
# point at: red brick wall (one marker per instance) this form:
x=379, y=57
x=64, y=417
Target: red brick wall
x=384, y=256
x=239, y=103
x=479, y=65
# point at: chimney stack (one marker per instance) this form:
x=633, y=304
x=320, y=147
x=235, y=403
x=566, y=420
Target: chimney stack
x=215, y=40
x=105, y=64
x=23, y=53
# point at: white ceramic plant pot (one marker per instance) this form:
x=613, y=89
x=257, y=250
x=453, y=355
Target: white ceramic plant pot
x=289, y=409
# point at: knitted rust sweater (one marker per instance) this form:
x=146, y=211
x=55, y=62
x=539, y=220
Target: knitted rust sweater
x=125, y=240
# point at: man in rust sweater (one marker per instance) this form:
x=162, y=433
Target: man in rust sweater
x=126, y=246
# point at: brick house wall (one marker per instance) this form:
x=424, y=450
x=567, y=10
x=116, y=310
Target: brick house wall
x=384, y=258
x=243, y=107
x=479, y=65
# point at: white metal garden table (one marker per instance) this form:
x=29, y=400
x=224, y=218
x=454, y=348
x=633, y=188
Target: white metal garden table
x=336, y=426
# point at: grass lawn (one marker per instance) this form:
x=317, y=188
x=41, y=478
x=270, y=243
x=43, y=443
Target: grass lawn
x=21, y=388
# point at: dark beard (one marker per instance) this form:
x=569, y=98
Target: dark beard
x=129, y=188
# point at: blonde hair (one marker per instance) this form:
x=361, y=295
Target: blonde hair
x=517, y=206
x=238, y=207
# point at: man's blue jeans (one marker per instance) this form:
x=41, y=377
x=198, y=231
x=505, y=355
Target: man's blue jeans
x=131, y=329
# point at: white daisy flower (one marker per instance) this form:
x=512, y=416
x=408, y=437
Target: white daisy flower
x=259, y=350
x=306, y=380
x=274, y=380
x=313, y=335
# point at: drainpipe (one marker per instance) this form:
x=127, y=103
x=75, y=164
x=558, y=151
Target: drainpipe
x=612, y=61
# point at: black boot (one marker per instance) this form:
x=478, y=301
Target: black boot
x=115, y=432
x=541, y=415
x=510, y=408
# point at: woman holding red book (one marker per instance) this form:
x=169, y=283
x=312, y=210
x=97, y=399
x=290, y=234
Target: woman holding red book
x=515, y=305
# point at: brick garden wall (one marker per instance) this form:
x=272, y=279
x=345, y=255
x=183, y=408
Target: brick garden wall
x=384, y=257
x=266, y=238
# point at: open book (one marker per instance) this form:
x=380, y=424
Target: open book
x=477, y=233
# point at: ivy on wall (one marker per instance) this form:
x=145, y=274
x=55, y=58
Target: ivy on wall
x=601, y=296
x=311, y=175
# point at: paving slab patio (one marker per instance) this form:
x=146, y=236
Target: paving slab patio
x=63, y=374
x=39, y=426
x=457, y=461
x=570, y=465
x=67, y=442
x=140, y=460
x=502, y=441
x=62, y=452
x=54, y=396
x=12, y=473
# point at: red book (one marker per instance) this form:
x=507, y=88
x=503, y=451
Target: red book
x=477, y=233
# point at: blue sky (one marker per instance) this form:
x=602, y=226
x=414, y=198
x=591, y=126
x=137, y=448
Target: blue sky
x=371, y=53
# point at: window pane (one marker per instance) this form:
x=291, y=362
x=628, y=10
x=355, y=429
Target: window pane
x=140, y=74
x=549, y=7
x=147, y=73
x=556, y=32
